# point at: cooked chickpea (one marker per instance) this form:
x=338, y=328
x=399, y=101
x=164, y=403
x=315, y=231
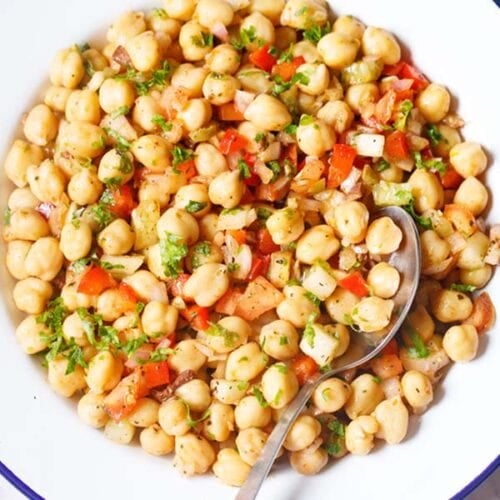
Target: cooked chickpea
x=145, y=413
x=279, y=385
x=15, y=258
x=190, y=78
x=146, y=286
x=417, y=389
x=250, y=443
x=279, y=339
x=195, y=114
x=331, y=395
x=44, y=259
x=65, y=384
x=91, y=410
x=228, y=391
x=473, y=195
x=366, y=394
x=180, y=9
x=434, y=102
x=186, y=357
x=121, y=432
x=159, y=318
x=223, y=59
x=349, y=26
x=47, y=181
x=193, y=194
x=472, y=255
x=341, y=304
x=309, y=461
x=196, y=394
x=392, y=417
x=319, y=242
x=219, y=88
x=285, y=225
x=211, y=12
x=449, y=306
x=245, y=362
x=230, y=468
x=296, y=308
x=318, y=78
x=380, y=43
x=220, y=424
x=315, y=137
x=337, y=114
x=144, y=51
x=235, y=332
x=216, y=275
x=22, y=198
x=268, y=113
x=384, y=280
x=117, y=238
x=193, y=454
x=83, y=106
x=427, y=190
x=203, y=253
x=263, y=28
x=338, y=50
x=111, y=304
x=307, y=50
x=383, y=236
x=359, y=435
x=434, y=249
x=155, y=441
x=476, y=277
x=302, y=433
x=209, y=160
x=126, y=26
x=153, y=152
x=304, y=14
x=116, y=94
x=351, y=221
x=179, y=222
x=26, y=224
x=451, y=137
x=226, y=189
x=82, y=139
x=191, y=40
x=21, y=156
x=359, y=96
x=460, y=343
x=172, y=417
x=31, y=335
x=67, y=69
x=40, y=126
x=156, y=188
x=85, y=188
x=72, y=299
x=250, y=413
x=145, y=111
x=104, y=372
x=373, y=313
x=57, y=97
x=468, y=159
x=31, y=295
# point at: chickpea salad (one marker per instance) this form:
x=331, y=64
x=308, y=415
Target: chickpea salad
x=192, y=231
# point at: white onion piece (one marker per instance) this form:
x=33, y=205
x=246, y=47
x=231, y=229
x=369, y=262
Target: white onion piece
x=220, y=31
x=457, y=242
x=406, y=165
x=369, y=145
x=232, y=160
x=243, y=99
x=271, y=153
x=236, y=220
x=265, y=174
x=391, y=387
x=348, y=184
x=206, y=351
x=360, y=249
x=241, y=255
x=481, y=225
x=308, y=205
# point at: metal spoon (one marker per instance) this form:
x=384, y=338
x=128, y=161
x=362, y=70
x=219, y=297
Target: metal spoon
x=363, y=346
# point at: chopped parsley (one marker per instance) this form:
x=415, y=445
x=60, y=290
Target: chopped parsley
x=418, y=349
x=180, y=155
x=144, y=85
x=423, y=222
x=283, y=340
x=275, y=167
x=121, y=111
x=244, y=169
x=309, y=333
x=281, y=85
x=290, y=129
x=316, y=33
x=172, y=251
x=434, y=134
x=122, y=145
x=132, y=345
x=202, y=248
x=247, y=36
x=194, y=422
x=277, y=397
x=260, y=397
x=404, y=111
x=203, y=40
x=162, y=123
x=333, y=444
x=217, y=330
x=75, y=357
x=195, y=206
x=7, y=213
x=101, y=212
x=433, y=164
x=312, y=298
x=281, y=367
x=242, y=385
x=263, y=213
x=232, y=267
x=306, y=120
x=382, y=165
x=461, y=287
x=162, y=13
x=286, y=55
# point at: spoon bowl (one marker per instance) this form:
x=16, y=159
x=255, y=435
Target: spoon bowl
x=363, y=347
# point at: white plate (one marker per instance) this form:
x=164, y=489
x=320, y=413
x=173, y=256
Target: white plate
x=42, y=439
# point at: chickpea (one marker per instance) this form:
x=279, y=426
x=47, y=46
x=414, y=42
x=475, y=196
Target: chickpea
x=40, y=126
x=117, y=238
x=186, y=357
x=228, y=391
x=44, y=259
x=121, y=432
x=392, y=174
x=245, y=362
x=31, y=335
x=73, y=300
x=392, y=417
x=31, y=295
x=316, y=243
x=144, y=51
x=155, y=188
x=351, y=221
x=229, y=333
x=65, y=384
x=359, y=96
x=67, y=69
x=196, y=394
x=477, y=277
x=349, y=26
x=26, y=224
x=331, y=395
x=219, y=88
x=146, y=286
x=190, y=78
x=47, y=181
x=213, y=273
x=146, y=109
x=220, y=424
x=308, y=462
x=73, y=330
x=153, y=152
x=22, y=198
x=21, y=156
x=304, y=14
x=85, y=188
x=296, y=308
x=472, y=255
x=279, y=339
x=182, y=10
x=427, y=190
x=230, y=468
x=302, y=433
x=195, y=114
x=285, y=225
x=279, y=385
x=434, y=102
x=172, y=417
x=116, y=94
x=268, y=113
x=82, y=139
x=341, y=304
x=451, y=137
x=417, y=389
x=337, y=114
x=366, y=394
x=255, y=80
x=145, y=413
x=263, y=28
x=468, y=159
x=211, y=12
x=372, y=314
x=159, y=318
x=383, y=236
x=434, y=249
x=359, y=435
x=226, y=189
x=155, y=441
x=307, y=50
x=209, y=160
x=208, y=226
x=338, y=50
x=83, y=106
x=193, y=454
x=384, y=280
x=314, y=137
x=473, y=195
x=104, y=372
x=192, y=194
x=91, y=410
x=249, y=443
x=126, y=26
x=203, y=253
x=382, y=44
x=111, y=304
x=460, y=343
x=249, y=413
x=318, y=78
x=57, y=97
x=191, y=40
x=179, y=222
x=223, y=59
x=449, y=306
x=15, y=258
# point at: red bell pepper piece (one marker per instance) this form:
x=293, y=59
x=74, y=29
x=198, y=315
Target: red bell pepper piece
x=341, y=162
x=355, y=283
x=396, y=146
x=155, y=374
x=232, y=142
x=122, y=400
x=451, y=179
x=260, y=266
x=197, y=317
x=95, y=280
x=263, y=59
x=305, y=368
x=265, y=243
x=123, y=201
x=286, y=70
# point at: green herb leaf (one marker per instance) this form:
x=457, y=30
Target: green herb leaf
x=172, y=251
x=316, y=33
x=121, y=111
x=162, y=13
x=247, y=36
x=122, y=145
x=195, y=206
x=290, y=129
x=423, y=222
x=75, y=357
x=232, y=267
x=404, y=111
x=277, y=397
x=283, y=340
x=217, y=330
x=309, y=333
x=433, y=164
x=306, y=120
x=203, y=40
x=419, y=349
x=244, y=169
x=337, y=428
x=132, y=345
x=263, y=213
x=281, y=367
x=160, y=354
x=180, y=155
x=312, y=298
x=7, y=213
x=282, y=86
x=162, y=123
x=382, y=165
x=260, y=397
x=275, y=167
x=461, y=287
x=434, y=134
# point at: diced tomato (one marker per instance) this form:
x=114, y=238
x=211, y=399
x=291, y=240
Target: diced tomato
x=228, y=302
x=355, y=283
x=305, y=368
x=286, y=70
x=240, y=235
x=265, y=244
x=391, y=347
x=128, y=297
x=451, y=179
x=122, y=400
x=232, y=142
x=263, y=59
x=95, y=280
x=229, y=113
x=176, y=287
x=254, y=179
x=396, y=146
x=260, y=266
x=341, y=163
x=274, y=191
x=188, y=168
x=155, y=374
x=403, y=95
x=419, y=80
x=387, y=366
x=248, y=197
x=197, y=317
x=123, y=201
x=393, y=69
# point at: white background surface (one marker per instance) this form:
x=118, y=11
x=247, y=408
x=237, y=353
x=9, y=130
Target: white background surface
x=41, y=438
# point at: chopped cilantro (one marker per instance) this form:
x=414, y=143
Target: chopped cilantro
x=434, y=134
x=232, y=267
x=247, y=36
x=162, y=123
x=160, y=13
x=404, y=111
x=281, y=367
x=281, y=85
x=325, y=393
x=337, y=428
x=290, y=129
x=172, y=251
x=180, y=155
x=283, y=340
x=263, y=213
x=203, y=40
x=7, y=213
x=121, y=111
x=312, y=298
x=242, y=385
x=260, y=137
x=158, y=79
x=75, y=357
x=316, y=33
x=418, y=349
x=461, y=287
x=382, y=165
x=423, y=222
x=132, y=345
x=376, y=379
x=160, y=354
x=260, y=397
x=192, y=422
x=278, y=396
x=293, y=282
x=275, y=167
x=286, y=55
x=122, y=145
x=433, y=164
x=309, y=333
x=217, y=330
x=195, y=206
x=306, y=120
x=244, y=169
